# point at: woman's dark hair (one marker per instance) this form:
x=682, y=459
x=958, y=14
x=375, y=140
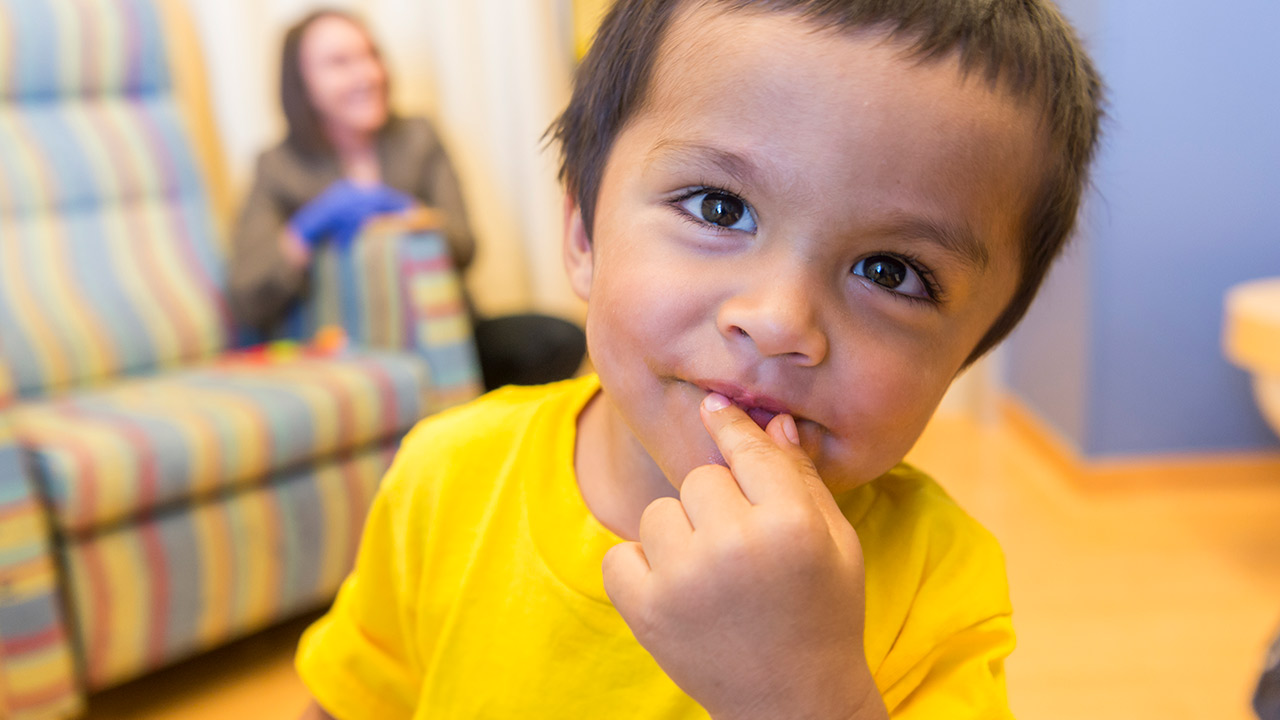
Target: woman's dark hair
x=1025, y=47
x=305, y=130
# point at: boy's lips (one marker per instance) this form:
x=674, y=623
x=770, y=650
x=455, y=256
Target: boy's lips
x=759, y=407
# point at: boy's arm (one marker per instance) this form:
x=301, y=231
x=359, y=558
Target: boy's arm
x=749, y=589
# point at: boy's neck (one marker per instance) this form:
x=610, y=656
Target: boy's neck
x=616, y=476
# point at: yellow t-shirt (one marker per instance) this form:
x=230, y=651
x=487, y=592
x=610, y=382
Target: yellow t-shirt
x=478, y=593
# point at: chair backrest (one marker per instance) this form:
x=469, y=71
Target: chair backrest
x=109, y=257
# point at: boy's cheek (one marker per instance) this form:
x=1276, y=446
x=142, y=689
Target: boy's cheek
x=878, y=418
x=648, y=321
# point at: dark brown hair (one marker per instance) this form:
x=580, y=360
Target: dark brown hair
x=1024, y=47
x=305, y=130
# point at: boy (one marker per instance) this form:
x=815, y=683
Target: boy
x=794, y=222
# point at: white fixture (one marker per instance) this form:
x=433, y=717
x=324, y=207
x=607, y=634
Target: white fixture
x=1252, y=340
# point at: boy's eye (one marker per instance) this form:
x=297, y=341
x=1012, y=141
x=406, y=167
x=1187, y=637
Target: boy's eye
x=893, y=273
x=720, y=209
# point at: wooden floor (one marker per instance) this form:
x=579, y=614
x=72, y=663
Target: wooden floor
x=1129, y=604
x=252, y=679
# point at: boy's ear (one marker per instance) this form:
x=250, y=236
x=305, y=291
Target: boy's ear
x=578, y=259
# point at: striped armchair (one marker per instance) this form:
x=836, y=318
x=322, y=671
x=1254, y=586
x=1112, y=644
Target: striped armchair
x=162, y=492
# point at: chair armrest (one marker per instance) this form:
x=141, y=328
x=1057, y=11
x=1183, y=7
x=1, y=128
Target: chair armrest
x=396, y=289
x=37, y=672
x=414, y=220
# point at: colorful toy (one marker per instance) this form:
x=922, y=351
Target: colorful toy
x=329, y=340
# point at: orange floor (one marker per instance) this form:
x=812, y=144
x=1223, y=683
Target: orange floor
x=1130, y=604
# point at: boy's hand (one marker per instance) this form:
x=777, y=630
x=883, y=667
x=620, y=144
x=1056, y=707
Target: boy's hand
x=748, y=590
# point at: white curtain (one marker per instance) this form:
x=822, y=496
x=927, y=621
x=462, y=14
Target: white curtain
x=491, y=74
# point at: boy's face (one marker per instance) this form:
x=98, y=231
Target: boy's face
x=805, y=222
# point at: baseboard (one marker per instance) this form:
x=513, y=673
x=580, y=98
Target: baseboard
x=1189, y=470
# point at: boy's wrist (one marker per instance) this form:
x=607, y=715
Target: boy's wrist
x=862, y=703
x=869, y=711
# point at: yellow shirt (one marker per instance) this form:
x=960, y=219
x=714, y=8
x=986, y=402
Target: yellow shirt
x=478, y=593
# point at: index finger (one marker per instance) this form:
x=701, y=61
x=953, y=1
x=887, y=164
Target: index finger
x=766, y=469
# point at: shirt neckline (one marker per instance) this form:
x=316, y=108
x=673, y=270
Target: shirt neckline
x=567, y=536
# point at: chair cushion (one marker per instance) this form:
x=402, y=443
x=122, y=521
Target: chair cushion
x=59, y=48
x=109, y=257
x=152, y=592
x=107, y=455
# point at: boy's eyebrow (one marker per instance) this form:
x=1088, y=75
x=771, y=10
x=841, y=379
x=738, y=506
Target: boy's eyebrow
x=711, y=158
x=958, y=240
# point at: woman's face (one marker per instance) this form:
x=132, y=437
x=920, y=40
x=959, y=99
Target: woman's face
x=345, y=78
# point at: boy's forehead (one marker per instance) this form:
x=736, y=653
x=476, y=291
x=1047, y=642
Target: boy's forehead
x=714, y=56
x=737, y=91
x=714, y=37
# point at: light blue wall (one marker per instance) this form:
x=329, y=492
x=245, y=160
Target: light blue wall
x=1048, y=355
x=1187, y=204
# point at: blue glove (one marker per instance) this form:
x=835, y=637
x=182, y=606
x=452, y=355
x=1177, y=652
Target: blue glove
x=339, y=211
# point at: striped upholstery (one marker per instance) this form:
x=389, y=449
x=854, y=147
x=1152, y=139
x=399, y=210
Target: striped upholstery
x=152, y=592
x=37, y=676
x=108, y=261
x=398, y=290
x=194, y=494
x=87, y=47
x=114, y=454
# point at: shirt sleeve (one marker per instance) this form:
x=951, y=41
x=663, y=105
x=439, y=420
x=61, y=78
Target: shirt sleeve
x=938, y=601
x=961, y=678
x=358, y=660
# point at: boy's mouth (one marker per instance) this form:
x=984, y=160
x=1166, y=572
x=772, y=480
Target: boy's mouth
x=760, y=408
x=760, y=415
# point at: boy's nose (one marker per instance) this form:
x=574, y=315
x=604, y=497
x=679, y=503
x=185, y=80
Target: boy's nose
x=779, y=319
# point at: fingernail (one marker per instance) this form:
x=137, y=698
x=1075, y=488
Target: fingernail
x=715, y=402
x=790, y=430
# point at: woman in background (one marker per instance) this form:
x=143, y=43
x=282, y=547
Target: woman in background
x=346, y=159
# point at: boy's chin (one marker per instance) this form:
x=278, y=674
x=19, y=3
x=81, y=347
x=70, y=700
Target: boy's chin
x=677, y=466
